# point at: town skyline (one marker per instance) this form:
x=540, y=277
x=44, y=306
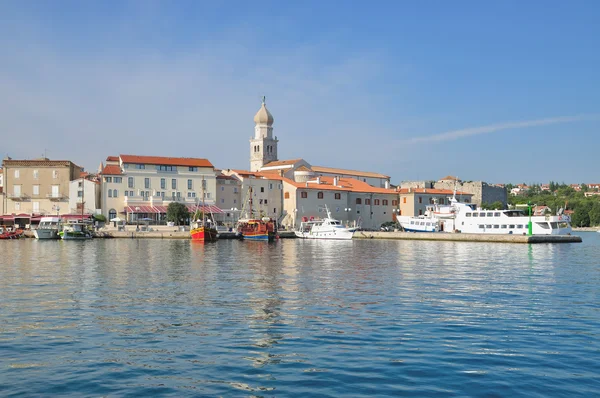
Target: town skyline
x=492, y=92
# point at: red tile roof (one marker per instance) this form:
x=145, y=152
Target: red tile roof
x=112, y=169
x=450, y=178
x=282, y=163
x=167, y=161
x=331, y=170
x=225, y=177
x=112, y=159
x=344, y=184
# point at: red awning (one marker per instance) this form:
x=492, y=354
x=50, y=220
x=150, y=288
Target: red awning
x=192, y=208
x=75, y=216
x=142, y=209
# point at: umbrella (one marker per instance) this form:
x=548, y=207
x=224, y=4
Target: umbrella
x=116, y=219
x=146, y=219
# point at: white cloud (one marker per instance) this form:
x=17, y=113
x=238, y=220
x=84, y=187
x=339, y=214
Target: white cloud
x=457, y=134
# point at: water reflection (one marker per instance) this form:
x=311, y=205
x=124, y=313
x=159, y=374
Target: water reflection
x=344, y=318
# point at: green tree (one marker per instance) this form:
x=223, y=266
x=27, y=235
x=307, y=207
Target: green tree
x=177, y=212
x=99, y=217
x=595, y=214
x=581, y=216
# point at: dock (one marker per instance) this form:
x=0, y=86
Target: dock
x=460, y=237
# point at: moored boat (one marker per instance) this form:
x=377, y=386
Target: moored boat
x=202, y=229
x=75, y=231
x=326, y=228
x=263, y=229
x=48, y=228
x=10, y=234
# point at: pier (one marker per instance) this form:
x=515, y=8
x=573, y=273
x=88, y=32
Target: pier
x=460, y=237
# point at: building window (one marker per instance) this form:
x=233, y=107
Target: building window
x=130, y=182
x=234, y=189
x=17, y=206
x=115, y=193
x=404, y=199
x=163, y=183
x=110, y=193
x=80, y=194
x=118, y=180
x=130, y=193
x=112, y=214
x=173, y=183
x=36, y=207
x=193, y=168
x=54, y=173
x=420, y=212
x=376, y=202
x=126, y=193
x=319, y=195
x=178, y=195
x=394, y=203
x=270, y=186
x=420, y=199
x=368, y=202
x=36, y=175
x=262, y=189
x=107, y=179
x=140, y=166
x=265, y=201
x=338, y=195
x=222, y=189
x=384, y=202
x=222, y=200
x=189, y=184
x=146, y=183
x=303, y=195
x=358, y=201
x=17, y=173
x=36, y=190
x=286, y=195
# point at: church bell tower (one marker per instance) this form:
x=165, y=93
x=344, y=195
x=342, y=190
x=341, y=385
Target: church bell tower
x=263, y=146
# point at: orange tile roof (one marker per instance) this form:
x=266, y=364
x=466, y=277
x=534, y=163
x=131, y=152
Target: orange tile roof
x=112, y=169
x=112, y=159
x=321, y=169
x=451, y=178
x=344, y=184
x=432, y=191
x=282, y=163
x=160, y=160
x=225, y=177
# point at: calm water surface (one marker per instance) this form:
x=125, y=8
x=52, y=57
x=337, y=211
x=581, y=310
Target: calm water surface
x=299, y=318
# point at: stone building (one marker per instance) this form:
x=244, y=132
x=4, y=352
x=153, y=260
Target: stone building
x=37, y=187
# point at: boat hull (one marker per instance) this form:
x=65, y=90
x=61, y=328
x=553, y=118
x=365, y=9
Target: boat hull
x=266, y=237
x=74, y=236
x=46, y=234
x=203, y=234
x=330, y=235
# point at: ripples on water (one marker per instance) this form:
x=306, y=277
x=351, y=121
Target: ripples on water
x=299, y=318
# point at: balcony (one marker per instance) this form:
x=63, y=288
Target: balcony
x=56, y=197
x=17, y=197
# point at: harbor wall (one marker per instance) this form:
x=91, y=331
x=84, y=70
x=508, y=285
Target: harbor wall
x=460, y=237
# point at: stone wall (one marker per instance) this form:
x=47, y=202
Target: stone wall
x=482, y=192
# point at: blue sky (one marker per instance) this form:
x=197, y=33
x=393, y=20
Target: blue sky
x=495, y=91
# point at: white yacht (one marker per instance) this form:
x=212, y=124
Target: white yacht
x=48, y=228
x=326, y=228
x=419, y=223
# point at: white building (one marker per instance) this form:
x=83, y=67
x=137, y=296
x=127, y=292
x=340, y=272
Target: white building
x=266, y=194
x=141, y=187
x=84, y=196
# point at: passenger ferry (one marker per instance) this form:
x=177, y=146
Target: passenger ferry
x=469, y=219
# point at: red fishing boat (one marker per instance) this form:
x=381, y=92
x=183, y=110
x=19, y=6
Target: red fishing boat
x=203, y=230
x=6, y=234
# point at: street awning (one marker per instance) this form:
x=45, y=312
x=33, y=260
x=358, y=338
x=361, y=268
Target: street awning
x=142, y=209
x=75, y=216
x=192, y=208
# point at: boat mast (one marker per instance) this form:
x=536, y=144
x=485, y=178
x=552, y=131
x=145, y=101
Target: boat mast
x=203, y=210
